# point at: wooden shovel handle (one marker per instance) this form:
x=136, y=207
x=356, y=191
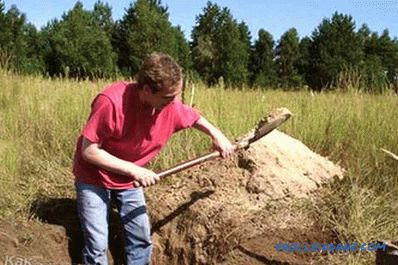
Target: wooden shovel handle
x=185, y=165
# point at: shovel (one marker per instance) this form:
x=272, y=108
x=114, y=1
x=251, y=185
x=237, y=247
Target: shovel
x=264, y=127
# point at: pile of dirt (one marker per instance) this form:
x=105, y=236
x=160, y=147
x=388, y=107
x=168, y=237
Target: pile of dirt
x=208, y=215
x=281, y=166
x=222, y=212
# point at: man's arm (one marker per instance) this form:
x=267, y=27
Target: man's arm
x=220, y=142
x=92, y=153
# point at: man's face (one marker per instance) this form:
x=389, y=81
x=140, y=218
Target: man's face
x=163, y=97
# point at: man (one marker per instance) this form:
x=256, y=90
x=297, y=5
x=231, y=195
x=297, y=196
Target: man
x=127, y=127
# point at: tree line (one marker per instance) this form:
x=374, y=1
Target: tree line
x=90, y=44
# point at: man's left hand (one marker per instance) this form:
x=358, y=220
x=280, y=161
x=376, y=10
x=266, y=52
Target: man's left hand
x=223, y=145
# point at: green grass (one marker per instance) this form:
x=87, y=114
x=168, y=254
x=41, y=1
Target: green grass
x=41, y=120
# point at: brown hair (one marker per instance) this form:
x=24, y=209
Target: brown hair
x=158, y=71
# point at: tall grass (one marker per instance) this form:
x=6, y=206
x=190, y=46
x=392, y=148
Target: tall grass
x=41, y=120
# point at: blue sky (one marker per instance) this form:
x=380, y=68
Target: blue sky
x=276, y=16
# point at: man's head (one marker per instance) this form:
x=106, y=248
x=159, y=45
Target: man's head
x=160, y=80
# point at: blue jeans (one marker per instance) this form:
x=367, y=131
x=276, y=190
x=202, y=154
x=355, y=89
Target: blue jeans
x=93, y=207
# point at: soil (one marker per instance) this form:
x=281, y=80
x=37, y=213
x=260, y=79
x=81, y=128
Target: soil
x=230, y=211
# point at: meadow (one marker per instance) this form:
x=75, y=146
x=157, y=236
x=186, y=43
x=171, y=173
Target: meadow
x=40, y=120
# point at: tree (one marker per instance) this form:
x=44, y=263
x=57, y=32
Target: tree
x=287, y=59
x=262, y=65
x=245, y=38
x=203, y=46
x=372, y=70
x=388, y=51
x=183, y=53
x=20, y=48
x=102, y=15
x=32, y=60
x=10, y=27
x=144, y=29
x=220, y=46
x=245, y=35
x=233, y=51
x=77, y=46
x=4, y=29
x=304, y=66
x=335, y=47
x=380, y=63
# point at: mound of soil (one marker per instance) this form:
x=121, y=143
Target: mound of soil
x=281, y=166
x=222, y=212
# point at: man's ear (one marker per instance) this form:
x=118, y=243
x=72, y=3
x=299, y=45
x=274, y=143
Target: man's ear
x=147, y=89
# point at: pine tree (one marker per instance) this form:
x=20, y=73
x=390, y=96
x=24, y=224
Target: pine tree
x=372, y=70
x=388, y=51
x=203, y=46
x=77, y=46
x=220, y=46
x=33, y=58
x=304, y=66
x=4, y=29
x=262, y=66
x=11, y=38
x=336, y=47
x=287, y=59
x=144, y=29
x=19, y=42
x=182, y=51
x=102, y=14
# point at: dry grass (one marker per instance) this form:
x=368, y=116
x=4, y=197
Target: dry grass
x=41, y=119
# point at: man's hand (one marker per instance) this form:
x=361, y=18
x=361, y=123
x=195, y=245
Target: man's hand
x=144, y=177
x=223, y=145
x=220, y=142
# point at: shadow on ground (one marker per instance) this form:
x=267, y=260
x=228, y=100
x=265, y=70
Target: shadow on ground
x=63, y=212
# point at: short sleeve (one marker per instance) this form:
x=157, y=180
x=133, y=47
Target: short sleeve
x=185, y=116
x=101, y=122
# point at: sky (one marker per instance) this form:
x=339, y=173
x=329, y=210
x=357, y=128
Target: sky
x=275, y=16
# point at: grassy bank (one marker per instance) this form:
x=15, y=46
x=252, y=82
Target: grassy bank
x=41, y=119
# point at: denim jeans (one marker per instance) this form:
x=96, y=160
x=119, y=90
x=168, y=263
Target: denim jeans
x=93, y=207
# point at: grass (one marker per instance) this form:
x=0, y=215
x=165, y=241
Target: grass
x=41, y=120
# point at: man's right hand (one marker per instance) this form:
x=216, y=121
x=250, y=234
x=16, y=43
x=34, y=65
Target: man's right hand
x=144, y=177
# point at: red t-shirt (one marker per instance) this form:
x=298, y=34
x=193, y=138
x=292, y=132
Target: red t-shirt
x=127, y=129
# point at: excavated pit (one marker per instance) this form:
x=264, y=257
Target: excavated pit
x=222, y=212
